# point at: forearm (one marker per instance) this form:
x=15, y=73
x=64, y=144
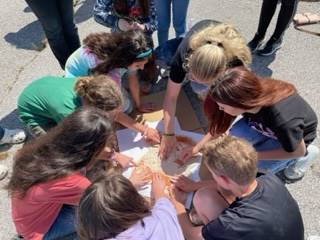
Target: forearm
x=169, y=111
x=189, y=231
x=128, y=122
x=203, y=142
x=134, y=89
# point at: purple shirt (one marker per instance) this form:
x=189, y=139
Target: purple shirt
x=163, y=224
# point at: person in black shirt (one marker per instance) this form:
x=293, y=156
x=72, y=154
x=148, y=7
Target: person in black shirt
x=206, y=51
x=261, y=209
x=277, y=121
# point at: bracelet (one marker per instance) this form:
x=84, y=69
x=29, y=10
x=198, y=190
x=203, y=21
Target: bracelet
x=168, y=134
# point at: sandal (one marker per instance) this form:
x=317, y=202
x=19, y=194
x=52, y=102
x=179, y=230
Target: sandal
x=306, y=18
x=3, y=171
x=13, y=136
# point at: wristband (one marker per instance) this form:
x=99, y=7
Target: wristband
x=168, y=134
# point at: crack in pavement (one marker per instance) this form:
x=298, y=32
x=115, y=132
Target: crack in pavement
x=16, y=78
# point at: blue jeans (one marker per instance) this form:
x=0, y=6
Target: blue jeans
x=64, y=225
x=1, y=132
x=261, y=143
x=165, y=52
x=56, y=18
x=179, y=12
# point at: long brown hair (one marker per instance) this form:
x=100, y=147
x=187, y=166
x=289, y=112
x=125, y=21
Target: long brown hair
x=240, y=88
x=110, y=206
x=117, y=49
x=67, y=148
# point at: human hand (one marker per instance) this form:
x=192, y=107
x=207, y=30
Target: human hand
x=123, y=160
x=158, y=186
x=187, y=153
x=168, y=143
x=139, y=26
x=140, y=177
x=178, y=195
x=146, y=107
x=152, y=135
x=184, y=183
x=124, y=25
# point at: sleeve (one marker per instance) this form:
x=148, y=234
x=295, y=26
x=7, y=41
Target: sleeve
x=216, y=230
x=103, y=13
x=177, y=73
x=290, y=134
x=166, y=214
x=152, y=22
x=67, y=190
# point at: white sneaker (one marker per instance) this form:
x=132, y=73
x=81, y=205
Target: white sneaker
x=13, y=136
x=297, y=170
x=313, y=237
x=3, y=171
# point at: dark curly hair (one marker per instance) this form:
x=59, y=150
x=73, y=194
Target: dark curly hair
x=117, y=49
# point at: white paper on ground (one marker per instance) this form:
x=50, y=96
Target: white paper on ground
x=133, y=145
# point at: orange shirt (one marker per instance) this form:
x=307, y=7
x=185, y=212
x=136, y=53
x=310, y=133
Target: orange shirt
x=34, y=214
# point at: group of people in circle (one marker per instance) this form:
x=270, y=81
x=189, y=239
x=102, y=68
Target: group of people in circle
x=67, y=181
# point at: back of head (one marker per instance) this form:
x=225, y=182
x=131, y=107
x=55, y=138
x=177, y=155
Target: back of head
x=110, y=206
x=240, y=88
x=65, y=149
x=226, y=47
x=124, y=48
x=99, y=91
x=233, y=158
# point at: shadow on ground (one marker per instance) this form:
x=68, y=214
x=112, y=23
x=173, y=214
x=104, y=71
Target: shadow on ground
x=32, y=37
x=260, y=65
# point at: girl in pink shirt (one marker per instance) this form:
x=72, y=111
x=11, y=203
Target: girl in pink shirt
x=46, y=182
x=111, y=208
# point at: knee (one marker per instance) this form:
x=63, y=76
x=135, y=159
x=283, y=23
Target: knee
x=209, y=203
x=53, y=29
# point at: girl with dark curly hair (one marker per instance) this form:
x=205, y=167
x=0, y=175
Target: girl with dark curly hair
x=115, y=54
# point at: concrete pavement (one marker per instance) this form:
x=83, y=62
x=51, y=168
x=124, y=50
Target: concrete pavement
x=297, y=61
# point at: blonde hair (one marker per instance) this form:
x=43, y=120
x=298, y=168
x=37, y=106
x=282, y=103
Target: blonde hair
x=214, y=49
x=232, y=157
x=99, y=91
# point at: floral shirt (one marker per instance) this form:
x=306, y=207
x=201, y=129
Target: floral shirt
x=104, y=14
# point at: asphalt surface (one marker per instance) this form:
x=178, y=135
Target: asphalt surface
x=24, y=58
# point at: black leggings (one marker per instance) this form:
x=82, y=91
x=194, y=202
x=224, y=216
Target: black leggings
x=287, y=11
x=56, y=18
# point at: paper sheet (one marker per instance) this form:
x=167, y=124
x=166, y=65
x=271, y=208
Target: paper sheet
x=133, y=145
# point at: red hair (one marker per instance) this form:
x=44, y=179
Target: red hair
x=240, y=88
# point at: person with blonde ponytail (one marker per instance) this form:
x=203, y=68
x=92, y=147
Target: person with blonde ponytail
x=48, y=100
x=208, y=49
x=276, y=120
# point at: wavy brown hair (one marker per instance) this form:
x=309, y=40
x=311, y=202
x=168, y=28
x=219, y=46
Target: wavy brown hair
x=99, y=91
x=117, y=49
x=240, y=88
x=67, y=148
x=110, y=206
